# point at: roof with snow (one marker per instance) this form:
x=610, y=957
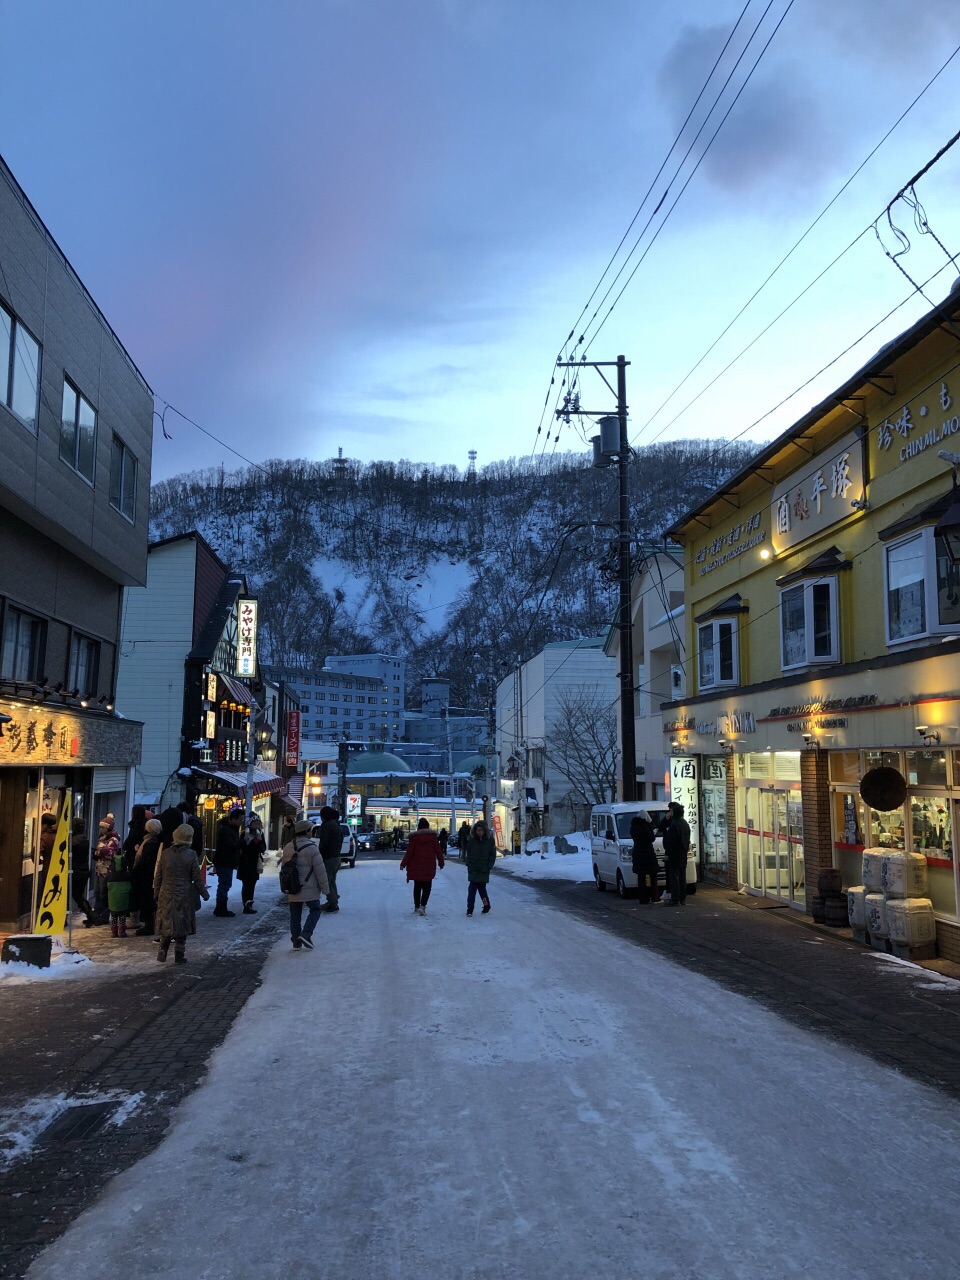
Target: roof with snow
x=367, y=762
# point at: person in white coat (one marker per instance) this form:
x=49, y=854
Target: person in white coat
x=313, y=882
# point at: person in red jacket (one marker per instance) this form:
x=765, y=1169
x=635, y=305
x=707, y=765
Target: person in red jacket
x=421, y=860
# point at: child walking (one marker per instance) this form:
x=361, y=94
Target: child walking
x=118, y=895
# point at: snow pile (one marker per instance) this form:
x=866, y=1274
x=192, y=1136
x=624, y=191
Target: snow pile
x=542, y=861
x=21, y=1127
x=933, y=981
x=63, y=964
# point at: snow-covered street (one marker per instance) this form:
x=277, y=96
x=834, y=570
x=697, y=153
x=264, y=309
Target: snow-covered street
x=523, y=1095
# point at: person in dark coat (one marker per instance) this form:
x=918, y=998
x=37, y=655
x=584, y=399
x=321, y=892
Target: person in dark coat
x=136, y=830
x=175, y=880
x=423, y=855
x=644, y=855
x=226, y=856
x=676, y=845
x=250, y=863
x=108, y=846
x=330, y=841
x=141, y=877
x=444, y=838
x=80, y=873
x=286, y=832
x=481, y=855
x=463, y=835
x=313, y=882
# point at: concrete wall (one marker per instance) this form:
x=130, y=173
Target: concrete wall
x=40, y=288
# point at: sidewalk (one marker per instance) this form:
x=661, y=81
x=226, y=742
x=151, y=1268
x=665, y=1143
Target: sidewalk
x=93, y=1063
x=903, y=1015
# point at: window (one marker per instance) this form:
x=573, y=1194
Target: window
x=320, y=696
x=19, y=369
x=348, y=697
x=808, y=623
x=78, y=430
x=923, y=588
x=123, y=479
x=305, y=708
x=335, y=697
x=84, y=664
x=717, y=653
x=21, y=657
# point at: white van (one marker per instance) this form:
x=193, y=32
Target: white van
x=612, y=848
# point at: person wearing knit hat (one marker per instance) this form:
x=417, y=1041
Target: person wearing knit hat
x=176, y=878
x=141, y=875
x=108, y=846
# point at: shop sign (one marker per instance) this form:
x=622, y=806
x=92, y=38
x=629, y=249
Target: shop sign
x=293, y=739
x=684, y=789
x=714, y=769
x=817, y=495
x=823, y=707
x=683, y=725
x=246, y=637
x=807, y=726
x=738, y=539
x=210, y=724
x=30, y=737
x=52, y=907
x=898, y=431
x=211, y=690
x=353, y=805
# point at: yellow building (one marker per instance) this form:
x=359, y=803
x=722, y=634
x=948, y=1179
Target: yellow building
x=823, y=633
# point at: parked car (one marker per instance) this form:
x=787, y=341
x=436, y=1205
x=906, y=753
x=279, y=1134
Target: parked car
x=612, y=848
x=367, y=840
x=348, y=845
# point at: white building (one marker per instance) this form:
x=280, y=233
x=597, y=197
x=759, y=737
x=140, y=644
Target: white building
x=530, y=720
x=360, y=697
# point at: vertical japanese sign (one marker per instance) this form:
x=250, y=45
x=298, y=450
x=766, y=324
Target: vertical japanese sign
x=246, y=637
x=55, y=890
x=293, y=739
x=684, y=788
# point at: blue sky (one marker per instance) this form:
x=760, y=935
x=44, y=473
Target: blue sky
x=370, y=224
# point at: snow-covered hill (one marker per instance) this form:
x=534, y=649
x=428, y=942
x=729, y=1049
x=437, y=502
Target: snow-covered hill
x=464, y=574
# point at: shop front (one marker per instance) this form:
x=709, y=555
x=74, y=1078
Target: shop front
x=220, y=790
x=795, y=755
x=47, y=752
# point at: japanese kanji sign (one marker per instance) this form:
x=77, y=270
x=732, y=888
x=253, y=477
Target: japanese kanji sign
x=55, y=889
x=246, y=637
x=293, y=739
x=818, y=494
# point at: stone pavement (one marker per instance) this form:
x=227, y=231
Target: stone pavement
x=905, y=1016
x=109, y=1055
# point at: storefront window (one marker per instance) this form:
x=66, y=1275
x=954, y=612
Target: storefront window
x=850, y=826
x=881, y=759
x=927, y=768
x=844, y=766
x=930, y=826
x=886, y=829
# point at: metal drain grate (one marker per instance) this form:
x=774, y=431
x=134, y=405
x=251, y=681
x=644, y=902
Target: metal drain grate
x=79, y=1122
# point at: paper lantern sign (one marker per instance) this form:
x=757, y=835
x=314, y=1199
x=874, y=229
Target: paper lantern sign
x=883, y=789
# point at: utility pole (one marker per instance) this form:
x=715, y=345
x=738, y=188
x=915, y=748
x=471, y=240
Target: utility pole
x=613, y=445
x=522, y=810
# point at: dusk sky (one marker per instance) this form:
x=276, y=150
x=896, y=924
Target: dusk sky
x=370, y=224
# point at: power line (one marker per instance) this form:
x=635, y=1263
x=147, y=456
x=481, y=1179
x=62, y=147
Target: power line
x=797, y=243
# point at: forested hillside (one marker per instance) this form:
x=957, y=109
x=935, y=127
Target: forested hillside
x=464, y=574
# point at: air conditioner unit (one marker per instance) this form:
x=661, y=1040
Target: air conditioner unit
x=677, y=682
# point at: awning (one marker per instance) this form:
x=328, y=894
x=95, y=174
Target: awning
x=233, y=782
x=288, y=803
x=237, y=691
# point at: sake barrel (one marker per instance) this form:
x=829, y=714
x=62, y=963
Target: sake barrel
x=911, y=921
x=875, y=914
x=903, y=875
x=872, y=858
x=856, y=906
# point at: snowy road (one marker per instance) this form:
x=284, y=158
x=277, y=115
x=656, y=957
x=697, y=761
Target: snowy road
x=523, y=1095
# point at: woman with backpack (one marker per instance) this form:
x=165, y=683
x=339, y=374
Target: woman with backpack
x=303, y=878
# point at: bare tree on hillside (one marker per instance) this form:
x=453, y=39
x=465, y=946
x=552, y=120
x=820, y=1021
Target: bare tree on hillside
x=582, y=744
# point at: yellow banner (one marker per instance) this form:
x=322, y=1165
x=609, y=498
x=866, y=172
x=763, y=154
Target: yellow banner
x=55, y=891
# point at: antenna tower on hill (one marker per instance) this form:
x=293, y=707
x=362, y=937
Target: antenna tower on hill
x=472, y=468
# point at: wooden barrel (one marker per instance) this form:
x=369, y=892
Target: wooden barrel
x=817, y=910
x=835, y=912
x=829, y=883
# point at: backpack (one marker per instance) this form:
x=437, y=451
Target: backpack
x=290, y=875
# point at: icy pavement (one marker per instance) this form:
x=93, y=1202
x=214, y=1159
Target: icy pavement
x=522, y=1095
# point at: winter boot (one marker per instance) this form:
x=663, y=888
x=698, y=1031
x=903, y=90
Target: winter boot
x=178, y=955
x=162, y=950
x=249, y=909
x=486, y=906
x=114, y=930
x=122, y=931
